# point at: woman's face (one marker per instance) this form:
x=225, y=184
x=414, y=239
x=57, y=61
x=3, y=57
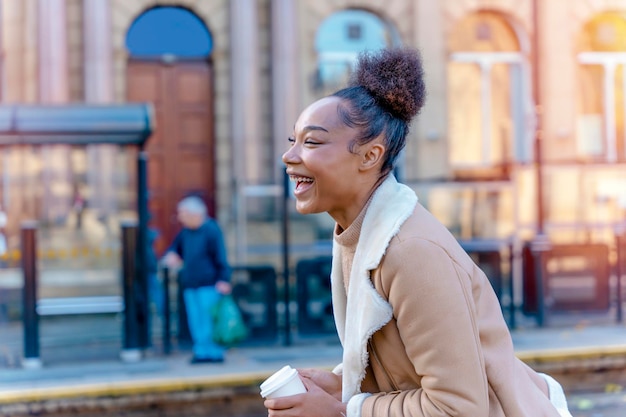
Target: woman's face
x=325, y=172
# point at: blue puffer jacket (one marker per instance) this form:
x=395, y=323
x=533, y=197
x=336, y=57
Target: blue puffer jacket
x=204, y=255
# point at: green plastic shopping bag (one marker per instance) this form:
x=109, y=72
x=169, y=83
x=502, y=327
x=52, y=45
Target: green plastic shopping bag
x=229, y=327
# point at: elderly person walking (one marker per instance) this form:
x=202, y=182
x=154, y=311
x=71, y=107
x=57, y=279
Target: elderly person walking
x=199, y=249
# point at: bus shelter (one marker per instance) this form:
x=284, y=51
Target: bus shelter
x=124, y=125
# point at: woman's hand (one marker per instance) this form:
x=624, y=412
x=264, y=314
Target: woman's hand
x=314, y=403
x=326, y=380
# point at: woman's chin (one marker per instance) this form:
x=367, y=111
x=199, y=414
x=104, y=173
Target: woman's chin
x=304, y=208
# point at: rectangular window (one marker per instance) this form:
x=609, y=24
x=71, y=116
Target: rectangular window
x=600, y=132
x=487, y=114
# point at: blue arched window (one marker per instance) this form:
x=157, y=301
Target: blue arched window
x=169, y=31
x=342, y=36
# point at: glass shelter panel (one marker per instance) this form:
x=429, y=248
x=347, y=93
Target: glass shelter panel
x=589, y=201
x=472, y=210
x=78, y=195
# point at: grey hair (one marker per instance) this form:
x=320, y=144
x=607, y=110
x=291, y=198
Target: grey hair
x=193, y=205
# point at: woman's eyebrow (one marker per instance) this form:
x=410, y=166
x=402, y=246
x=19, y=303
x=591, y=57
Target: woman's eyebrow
x=312, y=128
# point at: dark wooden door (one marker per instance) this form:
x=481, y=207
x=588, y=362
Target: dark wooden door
x=181, y=151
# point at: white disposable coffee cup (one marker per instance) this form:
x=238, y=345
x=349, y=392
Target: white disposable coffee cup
x=283, y=383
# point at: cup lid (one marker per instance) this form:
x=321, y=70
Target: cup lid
x=276, y=379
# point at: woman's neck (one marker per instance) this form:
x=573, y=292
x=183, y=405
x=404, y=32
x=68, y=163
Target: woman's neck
x=346, y=217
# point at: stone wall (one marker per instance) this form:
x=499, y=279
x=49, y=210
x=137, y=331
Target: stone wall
x=241, y=401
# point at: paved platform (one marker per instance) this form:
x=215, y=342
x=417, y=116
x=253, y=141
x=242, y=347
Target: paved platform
x=86, y=360
x=82, y=368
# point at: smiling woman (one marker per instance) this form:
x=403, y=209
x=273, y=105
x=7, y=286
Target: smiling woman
x=320, y=163
x=421, y=327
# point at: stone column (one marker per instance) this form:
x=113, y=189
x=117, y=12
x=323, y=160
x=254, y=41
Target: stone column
x=98, y=63
x=245, y=88
x=4, y=198
x=2, y=52
x=285, y=92
x=53, y=62
x=54, y=89
x=245, y=108
x=97, y=32
x=20, y=73
x=431, y=124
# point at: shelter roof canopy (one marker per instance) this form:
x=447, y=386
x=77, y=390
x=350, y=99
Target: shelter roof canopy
x=79, y=124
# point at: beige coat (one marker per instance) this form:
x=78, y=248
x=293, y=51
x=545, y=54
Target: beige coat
x=428, y=338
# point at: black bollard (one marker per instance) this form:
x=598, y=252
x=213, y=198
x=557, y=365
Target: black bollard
x=142, y=296
x=131, y=351
x=285, y=243
x=29, y=315
x=184, y=336
x=167, y=345
x=620, y=239
x=539, y=247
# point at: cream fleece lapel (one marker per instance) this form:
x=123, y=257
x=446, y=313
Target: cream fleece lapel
x=363, y=309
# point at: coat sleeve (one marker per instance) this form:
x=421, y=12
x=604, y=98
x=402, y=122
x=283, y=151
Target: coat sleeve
x=222, y=267
x=436, y=318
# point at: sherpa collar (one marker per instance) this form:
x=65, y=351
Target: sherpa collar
x=363, y=308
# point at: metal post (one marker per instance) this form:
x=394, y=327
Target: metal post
x=512, y=321
x=142, y=251
x=167, y=346
x=29, y=315
x=285, y=238
x=539, y=246
x=539, y=116
x=131, y=338
x=541, y=243
x=620, y=239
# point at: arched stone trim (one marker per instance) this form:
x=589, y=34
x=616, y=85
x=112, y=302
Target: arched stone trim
x=517, y=14
x=519, y=30
x=585, y=10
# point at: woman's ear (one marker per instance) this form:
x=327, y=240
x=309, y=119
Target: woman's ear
x=372, y=155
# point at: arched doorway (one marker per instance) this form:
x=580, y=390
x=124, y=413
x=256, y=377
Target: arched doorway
x=169, y=66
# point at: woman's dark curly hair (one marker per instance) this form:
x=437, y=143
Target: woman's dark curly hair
x=386, y=90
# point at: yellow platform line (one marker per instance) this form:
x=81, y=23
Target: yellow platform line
x=568, y=354
x=133, y=387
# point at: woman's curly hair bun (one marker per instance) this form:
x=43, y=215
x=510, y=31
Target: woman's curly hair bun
x=395, y=78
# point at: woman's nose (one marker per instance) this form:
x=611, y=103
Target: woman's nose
x=291, y=155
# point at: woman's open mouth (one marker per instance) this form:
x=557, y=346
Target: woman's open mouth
x=302, y=183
